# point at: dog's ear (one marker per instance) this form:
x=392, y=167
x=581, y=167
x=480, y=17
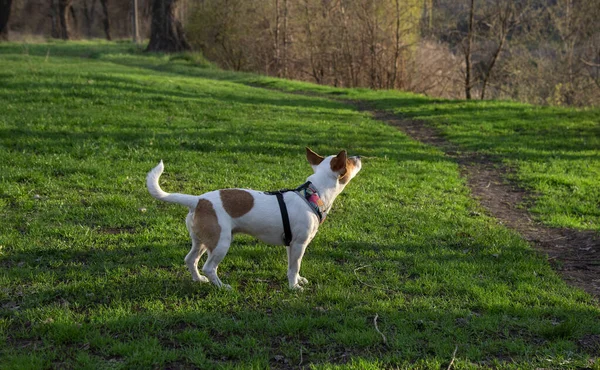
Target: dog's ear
x=338, y=164
x=313, y=158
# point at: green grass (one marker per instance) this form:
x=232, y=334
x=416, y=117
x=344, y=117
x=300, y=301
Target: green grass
x=92, y=272
x=552, y=152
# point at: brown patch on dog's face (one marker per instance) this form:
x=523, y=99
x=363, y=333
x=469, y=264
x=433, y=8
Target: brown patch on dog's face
x=350, y=167
x=313, y=158
x=206, y=224
x=338, y=164
x=236, y=202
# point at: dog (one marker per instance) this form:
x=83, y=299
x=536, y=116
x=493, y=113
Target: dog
x=215, y=216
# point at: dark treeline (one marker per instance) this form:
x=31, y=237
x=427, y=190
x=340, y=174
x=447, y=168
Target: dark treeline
x=544, y=52
x=538, y=51
x=77, y=19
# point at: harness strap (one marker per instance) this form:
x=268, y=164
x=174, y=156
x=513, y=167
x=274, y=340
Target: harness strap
x=308, y=191
x=287, y=231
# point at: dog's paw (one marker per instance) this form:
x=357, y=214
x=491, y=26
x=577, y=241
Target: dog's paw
x=297, y=288
x=226, y=287
x=201, y=279
x=302, y=280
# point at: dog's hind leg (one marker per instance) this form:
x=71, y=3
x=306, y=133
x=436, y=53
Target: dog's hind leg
x=198, y=249
x=192, y=258
x=215, y=257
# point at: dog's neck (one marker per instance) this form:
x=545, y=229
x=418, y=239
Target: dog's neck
x=328, y=188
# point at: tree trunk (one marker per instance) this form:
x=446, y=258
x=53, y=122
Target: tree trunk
x=508, y=18
x=285, y=39
x=75, y=22
x=64, y=8
x=89, y=14
x=309, y=39
x=347, y=49
x=570, y=46
x=370, y=18
x=166, y=31
x=54, y=19
x=488, y=72
x=392, y=84
x=276, y=42
x=134, y=22
x=106, y=19
x=4, y=17
x=468, y=83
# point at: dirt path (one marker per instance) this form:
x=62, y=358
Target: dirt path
x=574, y=254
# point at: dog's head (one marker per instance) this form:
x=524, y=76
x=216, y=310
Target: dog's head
x=340, y=167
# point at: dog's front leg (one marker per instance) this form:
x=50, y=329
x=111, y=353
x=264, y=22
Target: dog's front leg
x=295, y=253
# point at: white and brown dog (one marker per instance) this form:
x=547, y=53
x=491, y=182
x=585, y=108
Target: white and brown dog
x=215, y=216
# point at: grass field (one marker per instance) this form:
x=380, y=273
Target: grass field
x=552, y=152
x=91, y=267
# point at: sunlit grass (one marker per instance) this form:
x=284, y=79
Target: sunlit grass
x=92, y=271
x=552, y=152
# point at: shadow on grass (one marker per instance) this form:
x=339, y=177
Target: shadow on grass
x=510, y=132
x=170, y=93
x=268, y=323
x=269, y=335
x=548, y=137
x=201, y=141
x=206, y=136
x=79, y=49
x=508, y=136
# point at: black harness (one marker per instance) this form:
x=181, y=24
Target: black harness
x=307, y=189
x=287, y=231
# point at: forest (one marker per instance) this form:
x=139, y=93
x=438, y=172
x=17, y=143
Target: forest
x=536, y=51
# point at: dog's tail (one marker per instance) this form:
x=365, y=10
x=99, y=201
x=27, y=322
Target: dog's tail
x=189, y=201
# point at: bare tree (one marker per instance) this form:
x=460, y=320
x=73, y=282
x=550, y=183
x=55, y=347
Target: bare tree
x=60, y=13
x=89, y=12
x=565, y=21
x=396, y=46
x=485, y=49
x=54, y=33
x=285, y=35
x=134, y=21
x=593, y=70
x=64, y=10
x=5, y=6
x=506, y=15
x=467, y=51
x=166, y=32
x=371, y=21
x=316, y=71
x=276, y=42
x=346, y=48
x=591, y=57
x=106, y=19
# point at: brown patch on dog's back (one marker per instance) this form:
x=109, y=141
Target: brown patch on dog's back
x=236, y=202
x=206, y=224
